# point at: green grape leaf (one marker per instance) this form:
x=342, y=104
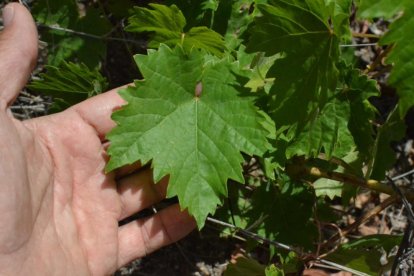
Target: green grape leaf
x=284, y=215
x=328, y=131
x=344, y=122
x=166, y=25
x=384, y=157
x=238, y=22
x=364, y=254
x=187, y=117
x=192, y=10
x=305, y=71
x=210, y=5
x=380, y=8
x=204, y=38
x=70, y=82
x=359, y=89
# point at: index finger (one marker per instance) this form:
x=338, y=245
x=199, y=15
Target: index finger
x=97, y=111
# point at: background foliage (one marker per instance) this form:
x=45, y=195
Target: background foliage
x=226, y=86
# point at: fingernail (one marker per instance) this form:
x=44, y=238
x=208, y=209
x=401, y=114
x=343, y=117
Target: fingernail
x=8, y=14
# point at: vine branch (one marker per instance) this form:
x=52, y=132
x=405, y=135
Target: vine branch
x=302, y=171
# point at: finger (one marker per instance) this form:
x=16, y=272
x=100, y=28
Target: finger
x=18, y=50
x=138, y=191
x=97, y=111
x=141, y=237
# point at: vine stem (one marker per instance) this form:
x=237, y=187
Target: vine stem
x=300, y=170
x=279, y=245
x=352, y=179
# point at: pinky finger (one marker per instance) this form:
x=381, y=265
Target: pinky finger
x=141, y=237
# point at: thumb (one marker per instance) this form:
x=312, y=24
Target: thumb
x=18, y=51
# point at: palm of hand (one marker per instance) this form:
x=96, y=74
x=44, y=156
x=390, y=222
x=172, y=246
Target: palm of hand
x=60, y=210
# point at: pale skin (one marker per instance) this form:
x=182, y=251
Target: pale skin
x=59, y=210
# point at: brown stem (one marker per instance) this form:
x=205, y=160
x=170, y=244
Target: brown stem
x=362, y=35
x=378, y=60
x=351, y=179
x=298, y=169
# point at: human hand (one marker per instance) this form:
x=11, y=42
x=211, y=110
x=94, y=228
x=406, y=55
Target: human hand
x=59, y=210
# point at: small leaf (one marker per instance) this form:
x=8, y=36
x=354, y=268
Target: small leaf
x=195, y=140
x=210, y=5
x=332, y=188
x=327, y=187
x=273, y=270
